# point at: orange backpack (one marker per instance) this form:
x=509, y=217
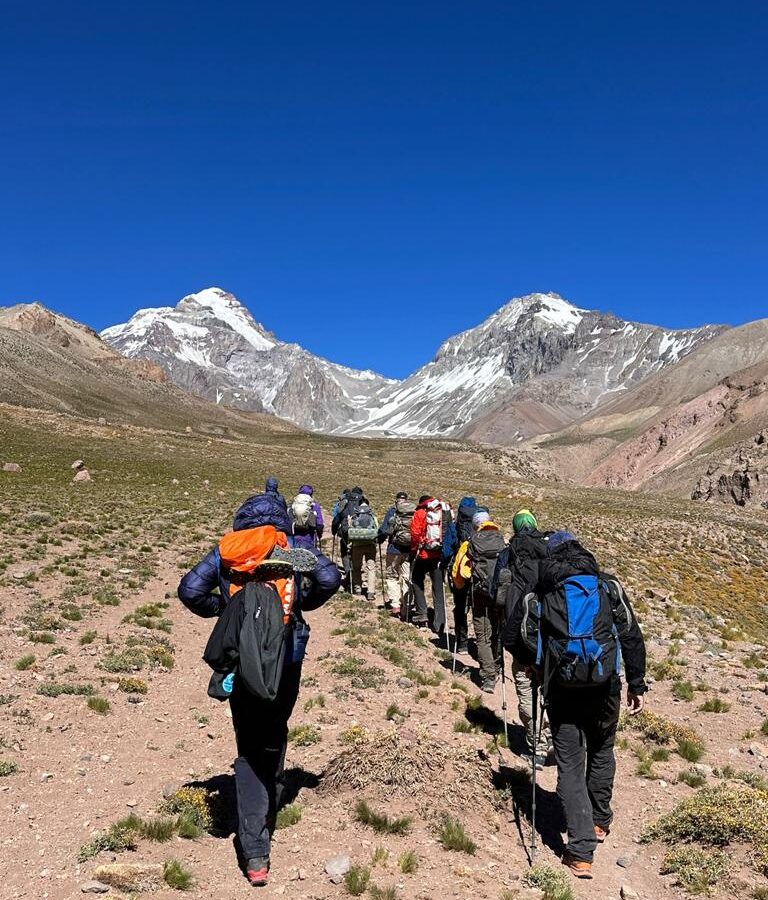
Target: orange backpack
x=241, y=552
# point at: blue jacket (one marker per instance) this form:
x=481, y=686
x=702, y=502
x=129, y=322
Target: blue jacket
x=263, y=509
x=196, y=590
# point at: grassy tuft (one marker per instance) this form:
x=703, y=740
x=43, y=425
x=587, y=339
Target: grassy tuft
x=452, y=836
x=381, y=822
x=8, y=767
x=99, y=705
x=408, y=862
x=356, y=880
x=304, y=735
x=177, y=876
x=697, y=871
x=25, y=662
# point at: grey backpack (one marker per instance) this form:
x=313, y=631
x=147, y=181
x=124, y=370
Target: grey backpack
x=264, y=640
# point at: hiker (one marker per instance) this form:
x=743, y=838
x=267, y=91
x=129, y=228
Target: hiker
x=427, y=554
x=473, y=567
x=254, y=565
x=306, y=518
x=268, y=508
x=575, y=626
x=395, y=529
x=358, y=529
x=463, y=532
x=271, y=487
x=520, y=558
x=349, y=500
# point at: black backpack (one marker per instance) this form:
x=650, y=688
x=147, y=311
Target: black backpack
x=264, y=640
x=575, y=631
x=483, y=551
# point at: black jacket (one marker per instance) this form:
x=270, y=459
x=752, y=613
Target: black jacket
x=521, y=557
x=545, y=577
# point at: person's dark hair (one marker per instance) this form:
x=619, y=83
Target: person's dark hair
x=424, y=498
x=401, y=495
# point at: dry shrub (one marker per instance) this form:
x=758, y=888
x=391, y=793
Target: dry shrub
x=394, y=764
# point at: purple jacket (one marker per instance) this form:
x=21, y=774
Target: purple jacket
x=309, y=537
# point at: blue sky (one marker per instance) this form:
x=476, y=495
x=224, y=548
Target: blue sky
x=371, y=178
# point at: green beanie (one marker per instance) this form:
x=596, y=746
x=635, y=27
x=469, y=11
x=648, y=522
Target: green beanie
x=524, y=519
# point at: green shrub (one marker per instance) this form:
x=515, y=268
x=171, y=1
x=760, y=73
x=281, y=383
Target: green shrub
x=132, y=685
x=116, y=839
x=99, y=705
x=304, y=735
x=714, y=705
x=452, y=836
x=408, y=862
x=356, y=880
x=381, y=822
x=177, y=876
x=289, y=815
x=88, y=638
x=7, y=767
x=379, y=856
x=690, y=750
x=717, y=817
x=159, y=830
x=52, y=689
x=25, y=662
x=379, y=893
x=692, y=778
x=553, y=883
x=191, y=804
x=697, y=871
x=682, y=690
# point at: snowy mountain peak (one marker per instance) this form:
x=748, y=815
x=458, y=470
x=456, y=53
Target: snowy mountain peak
x=536, y=363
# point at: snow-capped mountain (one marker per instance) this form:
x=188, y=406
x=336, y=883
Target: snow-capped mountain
x=210, y=344
x=536, y=364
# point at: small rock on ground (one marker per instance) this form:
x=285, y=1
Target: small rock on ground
x=11, y=467
x=629, y=893
x=94, y=887
x=337, y=867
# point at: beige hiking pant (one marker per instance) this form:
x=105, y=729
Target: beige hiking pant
x=364, y=568
x=524, y=687
x=398, y=572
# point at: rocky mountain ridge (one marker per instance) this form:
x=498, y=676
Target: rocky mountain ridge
x=537, y=363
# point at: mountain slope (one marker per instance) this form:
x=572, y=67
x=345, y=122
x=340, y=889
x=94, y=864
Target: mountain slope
x=534, y=366
x=680, y=427
x=50, y=362
x=211, y=345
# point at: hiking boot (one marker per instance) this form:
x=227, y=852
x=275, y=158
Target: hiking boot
x=420, y=623
x=600, y=834
x=257, y=871
x=395, y=612
x=488, y=686
x=578, y=867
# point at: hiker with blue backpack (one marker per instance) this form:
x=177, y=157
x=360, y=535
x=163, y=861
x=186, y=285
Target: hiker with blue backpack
x=258, y=588
x=573, y=627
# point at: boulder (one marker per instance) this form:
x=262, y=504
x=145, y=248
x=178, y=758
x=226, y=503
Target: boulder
x=94, y=887
x=77, y=464
x=11, y=467
x=82, y=475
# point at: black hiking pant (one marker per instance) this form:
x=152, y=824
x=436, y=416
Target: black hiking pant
x=421, y=569
x=583, y=724
x=261, y=733
x=460, y=599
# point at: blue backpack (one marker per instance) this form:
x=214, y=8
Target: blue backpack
x=577, y=639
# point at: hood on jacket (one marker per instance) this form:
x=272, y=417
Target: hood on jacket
x=271, y=485
x=307, y=489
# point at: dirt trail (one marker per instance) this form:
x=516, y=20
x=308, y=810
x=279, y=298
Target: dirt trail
x=80, y=771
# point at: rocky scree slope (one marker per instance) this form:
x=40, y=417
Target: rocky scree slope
x=536, y=364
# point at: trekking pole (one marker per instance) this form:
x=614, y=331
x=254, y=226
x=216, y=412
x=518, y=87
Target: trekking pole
x=504, y=697
x=333, y=550
x=534, y=711
x=383, y=580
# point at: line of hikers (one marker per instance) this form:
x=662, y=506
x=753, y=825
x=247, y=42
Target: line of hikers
x=541, y=596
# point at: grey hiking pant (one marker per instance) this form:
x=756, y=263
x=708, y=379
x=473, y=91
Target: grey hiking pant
x=486, y=620
x=364, y=568
x=524, y=688
x=398, y=569
x=583, y=733
x=261, y=733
